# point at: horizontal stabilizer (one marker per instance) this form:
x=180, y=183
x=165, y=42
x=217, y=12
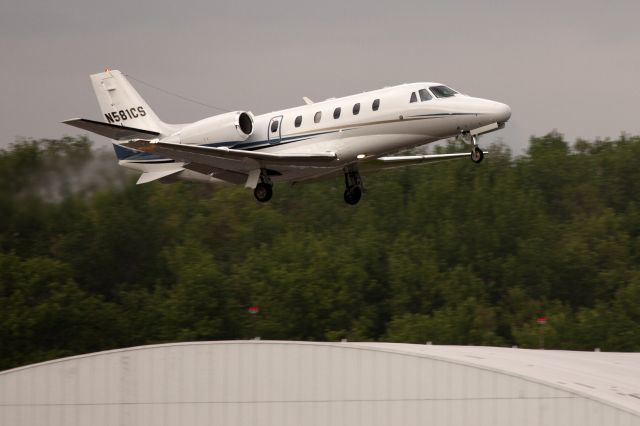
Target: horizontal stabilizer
x=151, y=176
x=111, y=131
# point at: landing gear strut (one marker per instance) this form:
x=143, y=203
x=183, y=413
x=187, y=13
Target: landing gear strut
x=476, y=152
x=353, y=182
x=264, y=189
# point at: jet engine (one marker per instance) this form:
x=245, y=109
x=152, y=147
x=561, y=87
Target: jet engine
x=234, y=126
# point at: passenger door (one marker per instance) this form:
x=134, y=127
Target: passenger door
x=275, y=130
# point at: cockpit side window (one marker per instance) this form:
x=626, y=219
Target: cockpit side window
x=424, y=95
x=442, y=91
x=413, y=98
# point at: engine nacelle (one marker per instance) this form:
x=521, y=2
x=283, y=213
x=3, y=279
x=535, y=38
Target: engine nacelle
x=234, y=126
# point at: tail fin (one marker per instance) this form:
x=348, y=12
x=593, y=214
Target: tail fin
x=122, y=105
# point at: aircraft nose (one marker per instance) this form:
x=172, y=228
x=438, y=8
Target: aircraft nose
x=503, y=112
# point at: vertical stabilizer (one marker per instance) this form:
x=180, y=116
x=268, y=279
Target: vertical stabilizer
x=122, y=105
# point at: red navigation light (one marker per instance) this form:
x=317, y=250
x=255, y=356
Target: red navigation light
x=541, y=320
x=253, y=310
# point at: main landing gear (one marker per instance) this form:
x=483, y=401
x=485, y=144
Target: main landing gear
x=264, y=189
x=352, y=194
x=353, y=182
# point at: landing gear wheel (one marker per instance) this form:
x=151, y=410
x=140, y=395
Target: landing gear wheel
x=353, y=183
x=263, y=192
x=352, y=195
x=477, y=155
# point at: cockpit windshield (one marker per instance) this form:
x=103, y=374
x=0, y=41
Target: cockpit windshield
x=442, y=91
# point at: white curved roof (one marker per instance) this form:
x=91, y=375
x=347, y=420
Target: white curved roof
x=330, y=377
x=611, y=377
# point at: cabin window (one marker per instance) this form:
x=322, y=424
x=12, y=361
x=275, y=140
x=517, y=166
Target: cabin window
x=336, y=113
x=375, y=105
x=356, y=109
x=298, y=121
x=317, y=117
x=274, y=126
x=424, y=95
x=413, y=98
x=442, y=91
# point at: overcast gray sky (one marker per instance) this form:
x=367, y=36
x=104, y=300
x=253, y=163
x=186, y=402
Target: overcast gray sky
x=570, y=65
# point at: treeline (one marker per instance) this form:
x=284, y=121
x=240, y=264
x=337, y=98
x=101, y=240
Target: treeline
x=454, y=253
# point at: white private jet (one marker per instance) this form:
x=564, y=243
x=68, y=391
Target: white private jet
x=340, y=135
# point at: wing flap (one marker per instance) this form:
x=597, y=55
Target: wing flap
x=111, y=131
x=232, y=159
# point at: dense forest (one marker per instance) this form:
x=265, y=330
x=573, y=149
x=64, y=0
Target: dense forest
x=453, y=253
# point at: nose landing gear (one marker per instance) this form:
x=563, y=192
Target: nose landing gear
x=477, y=155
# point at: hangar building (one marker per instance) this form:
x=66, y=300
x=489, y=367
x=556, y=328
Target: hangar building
x=305, y=383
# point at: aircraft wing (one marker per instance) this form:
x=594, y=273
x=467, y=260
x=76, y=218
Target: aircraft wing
x=111, y=131
x=372, y=165
x=385, y=163
x=235, y=160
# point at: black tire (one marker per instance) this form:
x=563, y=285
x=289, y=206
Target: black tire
x=352, y=195
x=477, y=155
x=263, y=192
